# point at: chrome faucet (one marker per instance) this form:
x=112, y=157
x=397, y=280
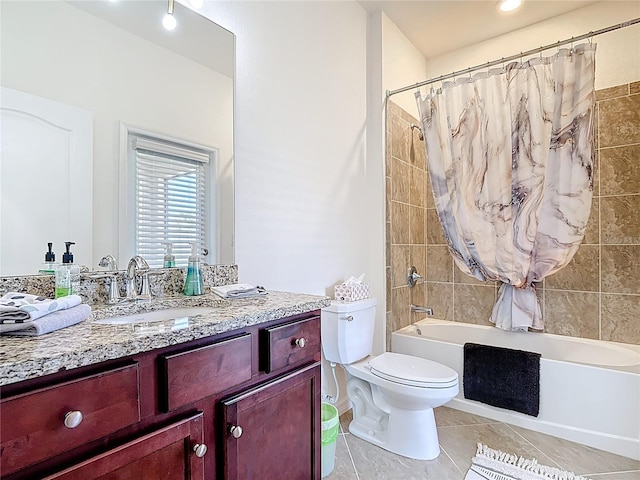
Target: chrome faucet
x=109, y=261
x=420, y=309
x=137, y=266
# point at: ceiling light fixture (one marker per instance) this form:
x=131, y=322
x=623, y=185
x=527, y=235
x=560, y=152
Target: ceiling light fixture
x=169, y=21
x=508, y=5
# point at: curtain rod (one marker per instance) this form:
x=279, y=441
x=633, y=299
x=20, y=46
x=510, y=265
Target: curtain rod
x=514, y=57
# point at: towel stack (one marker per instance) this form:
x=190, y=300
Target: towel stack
x=239, y=290
x=31, y=315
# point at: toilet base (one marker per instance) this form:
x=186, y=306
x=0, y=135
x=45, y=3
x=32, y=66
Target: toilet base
x=410, y=433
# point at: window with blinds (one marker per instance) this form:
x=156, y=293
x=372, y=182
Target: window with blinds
x=170, y=199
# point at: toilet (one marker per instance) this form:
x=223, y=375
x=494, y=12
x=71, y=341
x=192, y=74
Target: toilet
x=392, y=395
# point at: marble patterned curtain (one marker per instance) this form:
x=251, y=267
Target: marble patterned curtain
x=510, y=155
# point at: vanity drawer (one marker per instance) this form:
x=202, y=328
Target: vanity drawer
x=189, y=376
x=290, y=344
x=43, y=423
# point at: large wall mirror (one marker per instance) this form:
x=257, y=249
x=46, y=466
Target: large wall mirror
x=116, y=64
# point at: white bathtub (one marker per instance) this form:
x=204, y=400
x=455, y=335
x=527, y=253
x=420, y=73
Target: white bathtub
x=589, y=389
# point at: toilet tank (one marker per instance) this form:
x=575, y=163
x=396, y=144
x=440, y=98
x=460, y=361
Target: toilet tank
x=347, y=330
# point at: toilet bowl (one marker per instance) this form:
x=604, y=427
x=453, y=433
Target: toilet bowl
x=392, y=395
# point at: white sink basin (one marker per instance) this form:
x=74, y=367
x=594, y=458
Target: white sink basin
x=181, y=313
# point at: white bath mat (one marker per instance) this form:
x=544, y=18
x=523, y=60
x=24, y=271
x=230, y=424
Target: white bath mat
x=490, y=464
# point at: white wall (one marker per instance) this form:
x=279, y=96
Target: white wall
x=302, y=207
x=617, y=57
x=68, y=55
x=309, y=195
x=403, y=65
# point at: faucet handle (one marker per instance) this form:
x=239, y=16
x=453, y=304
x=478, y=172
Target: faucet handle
x=145, y=291
x=413, y=276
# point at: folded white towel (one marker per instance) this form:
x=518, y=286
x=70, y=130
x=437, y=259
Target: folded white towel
x=49, y=323
x=239, y=290
x=16, y=307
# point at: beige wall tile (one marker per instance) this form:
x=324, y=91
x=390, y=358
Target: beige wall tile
x=400, y=301
x=440, y=298
x=400, y=260
x=435, y=235
x=400, y=233
x=621, y=318
x=429, y=202
x=417, y=225
x=387, y=252
x=596, y=171
x=417, y=187
x=394, y=109
x=619, y=121
x=592, y=232
x=634, y=87
x=621, y=269
x=619, y=170
x=439, y=264
x=612, y=92
x=400, y=138
x=418, y=259
x=473, y=303
x=460, y=277
x=571, y=313
x=387, y=199
x=388, y=287
x=400, y=181
x=419, y=152
x=620, y=219
x=581, y=273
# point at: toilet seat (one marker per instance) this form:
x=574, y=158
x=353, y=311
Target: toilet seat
x=412, y=371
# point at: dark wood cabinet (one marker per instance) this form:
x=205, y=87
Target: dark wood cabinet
x=170, y=453
x=270, y=431
x=165, y=414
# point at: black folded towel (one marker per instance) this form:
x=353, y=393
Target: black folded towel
x=502, y=377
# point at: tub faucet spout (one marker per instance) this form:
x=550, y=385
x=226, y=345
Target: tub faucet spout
x=420, y=309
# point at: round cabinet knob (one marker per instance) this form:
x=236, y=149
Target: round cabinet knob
x=200, y=449
x=235, y=431
x=73, y=419
x=301, y=342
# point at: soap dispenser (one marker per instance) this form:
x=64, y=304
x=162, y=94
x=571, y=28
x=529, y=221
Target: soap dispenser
x=169, y=258
x=49, y=265
x=67, y=274
x=194, y=285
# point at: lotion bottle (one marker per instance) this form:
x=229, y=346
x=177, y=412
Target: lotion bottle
x=194, y=285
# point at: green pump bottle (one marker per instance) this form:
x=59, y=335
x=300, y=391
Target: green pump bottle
x=194, y=284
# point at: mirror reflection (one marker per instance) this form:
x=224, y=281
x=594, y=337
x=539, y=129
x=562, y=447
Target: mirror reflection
x=113, y=63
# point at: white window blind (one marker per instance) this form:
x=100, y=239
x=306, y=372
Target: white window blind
x=170, y=193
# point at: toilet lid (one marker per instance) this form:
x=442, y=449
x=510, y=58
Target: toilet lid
x=413, y=371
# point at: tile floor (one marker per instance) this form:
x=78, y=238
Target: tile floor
x=459, y=434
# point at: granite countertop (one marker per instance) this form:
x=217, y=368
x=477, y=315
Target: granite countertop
x=87, y=343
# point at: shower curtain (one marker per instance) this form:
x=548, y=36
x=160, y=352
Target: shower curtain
x=510, y=154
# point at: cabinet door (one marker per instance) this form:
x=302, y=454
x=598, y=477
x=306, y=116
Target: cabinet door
x=169, y=453
x=273, y=431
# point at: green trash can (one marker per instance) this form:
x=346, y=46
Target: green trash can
x=330, y=428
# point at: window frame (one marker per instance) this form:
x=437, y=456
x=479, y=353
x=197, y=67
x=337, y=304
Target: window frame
x=127, y=191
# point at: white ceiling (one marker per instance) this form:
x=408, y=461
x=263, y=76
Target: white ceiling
x=437, y=27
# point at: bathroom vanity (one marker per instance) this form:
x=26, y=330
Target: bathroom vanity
x=230, y=394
